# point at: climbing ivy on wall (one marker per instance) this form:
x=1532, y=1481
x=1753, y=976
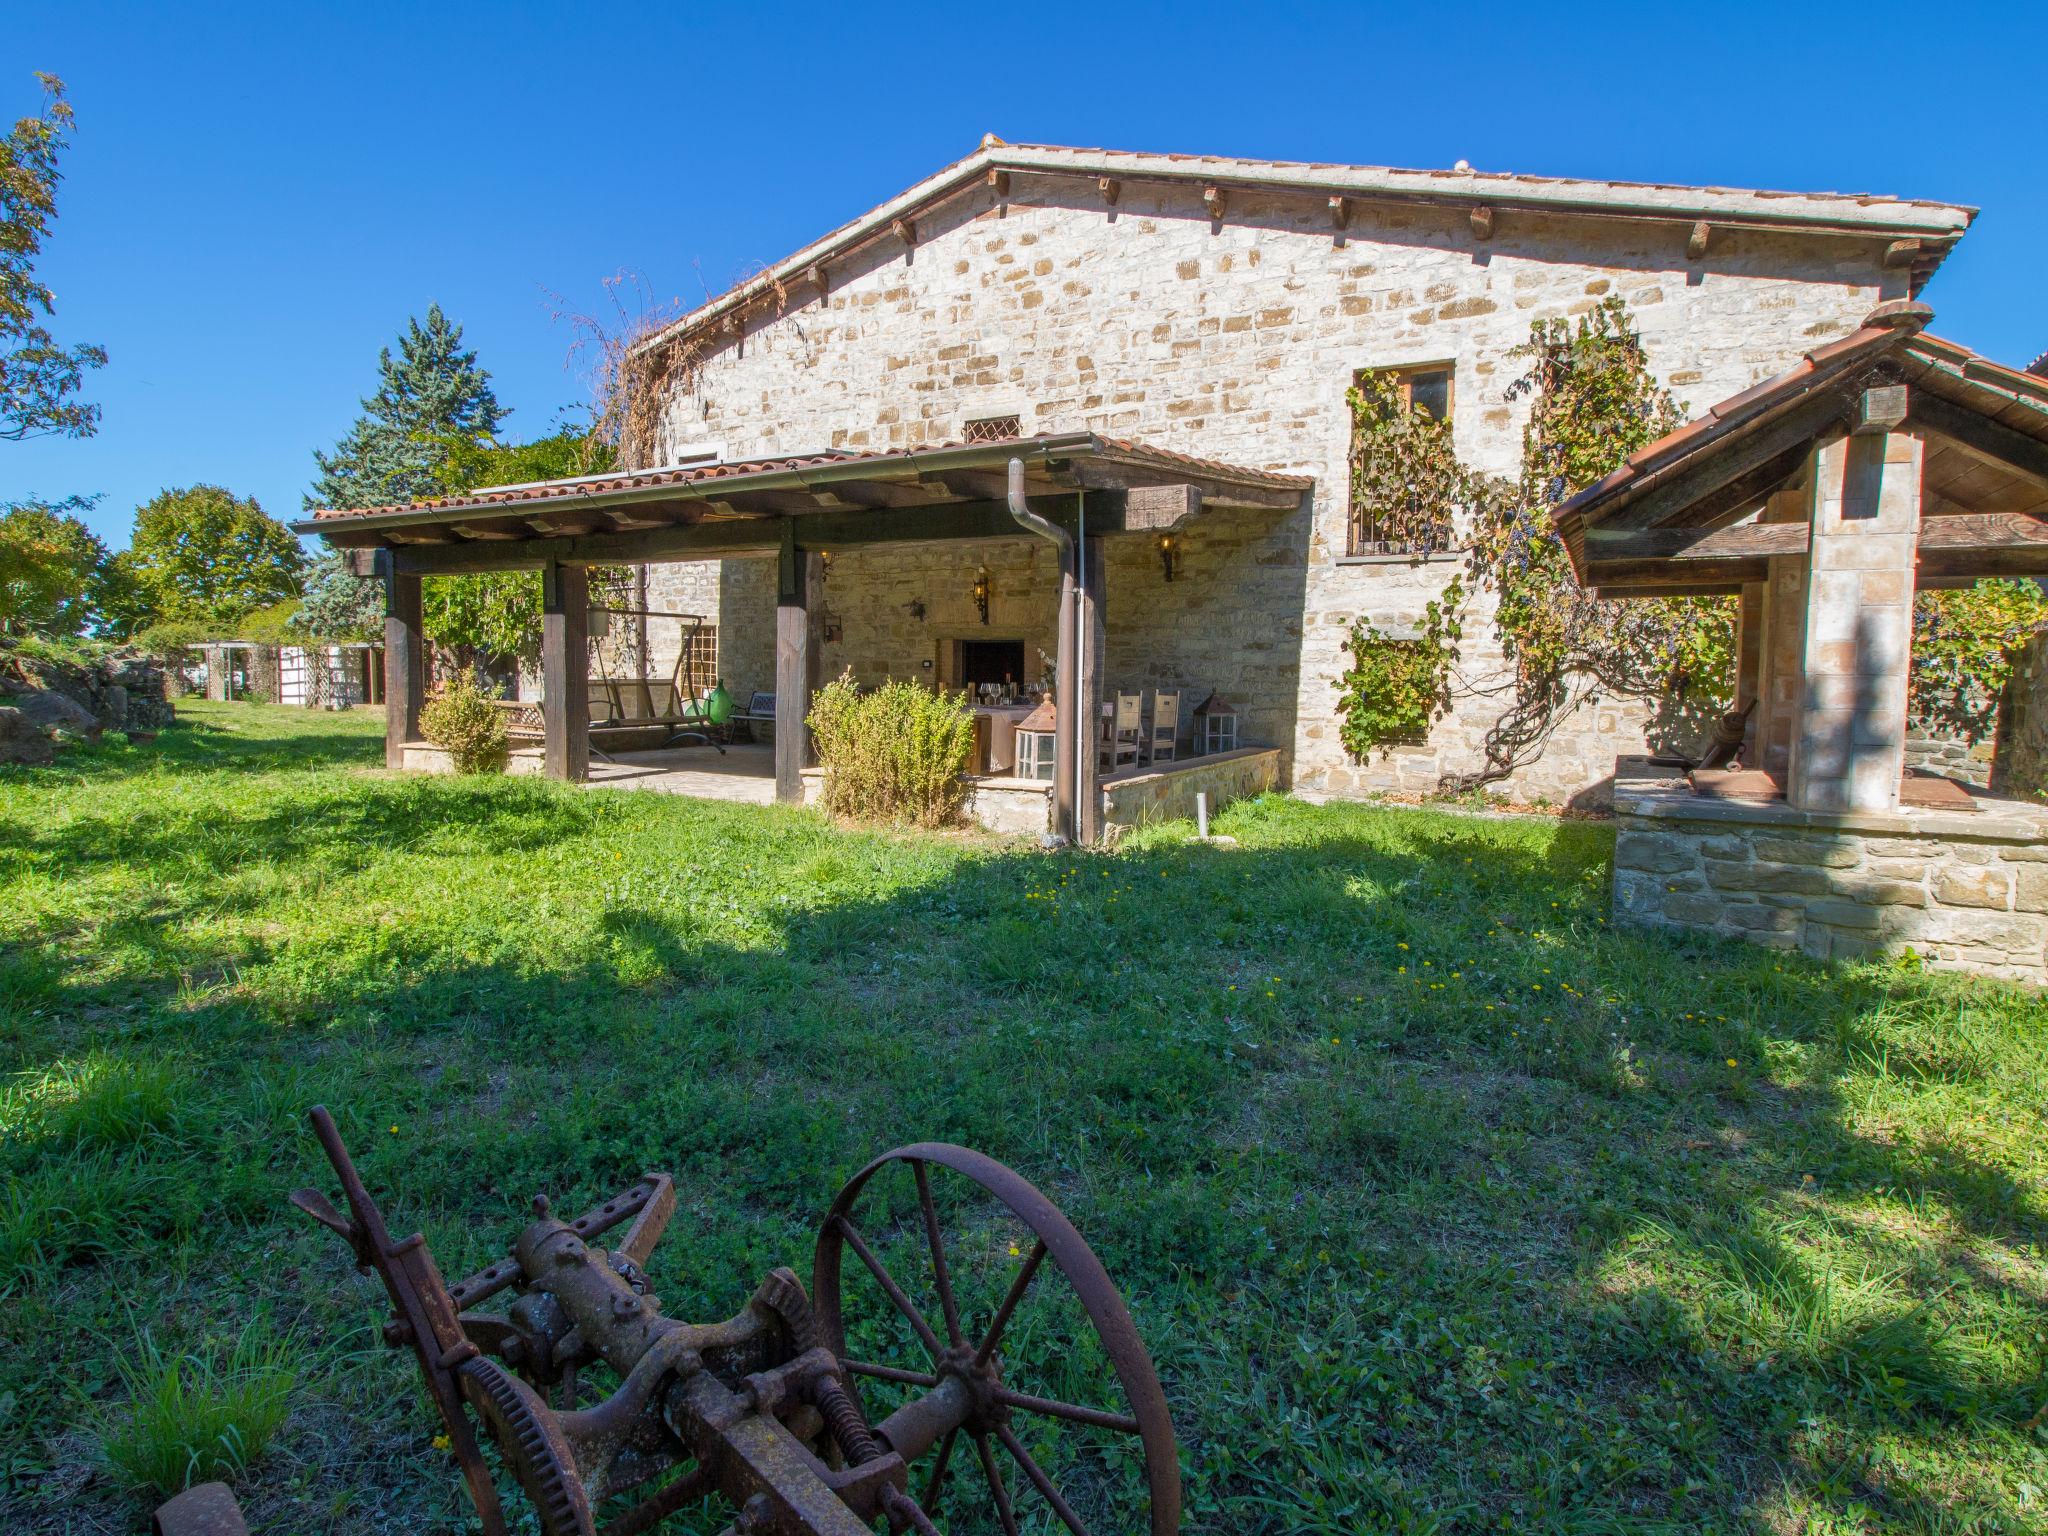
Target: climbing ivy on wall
x=1594, y=401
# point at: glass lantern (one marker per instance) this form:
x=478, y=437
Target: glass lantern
x=1036, y=735
x=1216, y=725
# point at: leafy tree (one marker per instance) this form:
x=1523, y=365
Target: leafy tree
x=498, y=613
x=205, y=556
x=339, y=605
x=1964, y=641
x=49, y=568
x=37, y=376
x=429, y=396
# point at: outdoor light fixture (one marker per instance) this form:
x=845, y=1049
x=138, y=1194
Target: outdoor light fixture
x=1169, y=555
x=981, y=591
x=824, y=565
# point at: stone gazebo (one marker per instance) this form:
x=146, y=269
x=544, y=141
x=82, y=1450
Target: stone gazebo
x=1884, y=462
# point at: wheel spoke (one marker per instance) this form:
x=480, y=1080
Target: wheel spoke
x=931, y=1231
x=931, y=1489
x=1040, y=1481
x=1017, y=1288
x=891, y=1289
x=1101, y=1418
x=994, y=1474
x=891, y=1373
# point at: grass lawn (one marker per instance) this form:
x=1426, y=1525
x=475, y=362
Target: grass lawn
x=1443, y=1206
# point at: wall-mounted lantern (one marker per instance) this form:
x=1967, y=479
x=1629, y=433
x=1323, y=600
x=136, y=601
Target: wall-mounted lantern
x=824, y=565
x=981, y=592
x=1169, y=555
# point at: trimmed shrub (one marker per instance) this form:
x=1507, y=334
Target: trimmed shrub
x=464, y=723
x=896, y=754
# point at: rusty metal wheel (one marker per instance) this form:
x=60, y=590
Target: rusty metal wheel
x=1004, y=1324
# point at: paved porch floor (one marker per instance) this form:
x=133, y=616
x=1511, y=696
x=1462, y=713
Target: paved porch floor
x=746, y=773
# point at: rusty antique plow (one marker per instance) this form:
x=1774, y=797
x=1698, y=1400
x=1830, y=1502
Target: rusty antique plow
x=554, y=1369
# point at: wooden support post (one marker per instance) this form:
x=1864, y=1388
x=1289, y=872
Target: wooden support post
x=1066, y=710
x=565, y=671
x=1088, y=622
x=795, y=659
x=405, y=659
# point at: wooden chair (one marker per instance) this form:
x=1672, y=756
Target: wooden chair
x=1163, y=744
x=1126, y=734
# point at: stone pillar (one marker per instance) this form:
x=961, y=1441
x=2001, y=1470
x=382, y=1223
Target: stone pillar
x=1780, y=640
x=565, y=671
x=1850, y=747
x=405, y=659
x=1749, y=665
x=796, y=656
x=1088, y=595
x=1066, y=710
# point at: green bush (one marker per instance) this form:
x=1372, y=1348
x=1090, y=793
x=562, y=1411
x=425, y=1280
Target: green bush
x=896, y=754
x=463, y=722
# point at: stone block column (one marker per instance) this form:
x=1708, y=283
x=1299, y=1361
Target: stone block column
x=796, y=665
x=1849, y=747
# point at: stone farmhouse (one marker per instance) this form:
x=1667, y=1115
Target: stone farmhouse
x=1087, y=405
x=1221, y=308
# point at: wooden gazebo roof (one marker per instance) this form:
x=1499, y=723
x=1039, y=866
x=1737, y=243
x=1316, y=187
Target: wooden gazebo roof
x=827, y=500
x=1679, y=518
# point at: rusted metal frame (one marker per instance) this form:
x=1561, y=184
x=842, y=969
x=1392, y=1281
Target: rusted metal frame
x=426, y=1318
x=1005, y=1511
x=944, y=1281
x=1040, y=1481
x=890, y=1288
x=1083, y=1271
x=1015, y=1294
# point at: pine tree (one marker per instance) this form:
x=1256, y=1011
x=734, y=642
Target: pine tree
x=431, y=393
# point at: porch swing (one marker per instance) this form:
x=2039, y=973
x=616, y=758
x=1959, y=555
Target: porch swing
x=621, y=706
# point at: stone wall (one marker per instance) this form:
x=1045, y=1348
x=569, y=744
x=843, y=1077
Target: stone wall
x=2022, y=763
x=1141, y=799
x=1965, y=891
x=1236, y=340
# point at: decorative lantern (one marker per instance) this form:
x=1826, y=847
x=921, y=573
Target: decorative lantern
x=1036, y=752
x=980, y=592
x=1216, y=725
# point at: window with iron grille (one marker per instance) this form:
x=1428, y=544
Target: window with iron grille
x=703, y=657
x=993, y=429
x=1377, y=528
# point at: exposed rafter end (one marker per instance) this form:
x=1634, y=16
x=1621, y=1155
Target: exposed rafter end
x=1340, y=212
x=904, y=230
x=1696, y=242
x=1482, y=223
x=1902, y=253
x=999, y=183
x=1110, y=188
x=1212, y=199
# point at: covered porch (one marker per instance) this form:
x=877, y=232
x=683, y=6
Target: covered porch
x=1065, y=520
x=1823, y=499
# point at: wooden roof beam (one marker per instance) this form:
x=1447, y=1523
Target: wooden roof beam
x=1979, y=436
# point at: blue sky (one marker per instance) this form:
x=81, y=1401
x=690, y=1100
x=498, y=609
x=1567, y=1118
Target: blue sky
x=258, y=196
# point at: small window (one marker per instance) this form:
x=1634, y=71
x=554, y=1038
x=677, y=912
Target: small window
x=1381, y=530
x=993, y=429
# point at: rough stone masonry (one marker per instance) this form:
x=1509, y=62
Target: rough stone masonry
x=1232, y=338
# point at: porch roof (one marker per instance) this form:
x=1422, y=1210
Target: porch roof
x=825, y=500
x=1680, y=516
